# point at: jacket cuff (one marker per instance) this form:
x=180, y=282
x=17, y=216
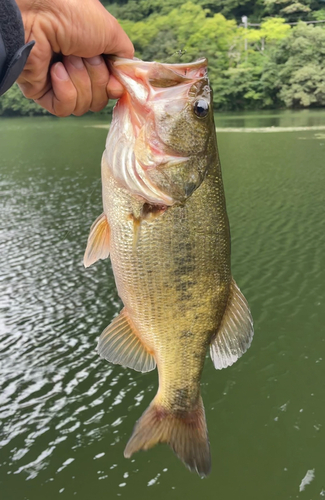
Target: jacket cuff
x=13, y=50
x=15, y=67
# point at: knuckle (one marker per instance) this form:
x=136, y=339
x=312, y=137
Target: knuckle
x=101, y=80
x=70, y=96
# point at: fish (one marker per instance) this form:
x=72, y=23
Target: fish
x=165, y=227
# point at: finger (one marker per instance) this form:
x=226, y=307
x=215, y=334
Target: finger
x=114, y=88
x=79, y=76
x=61, y=99
x=99, y=77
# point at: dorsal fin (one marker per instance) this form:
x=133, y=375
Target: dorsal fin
x=98, y=241
x=120, y=344
x=235, y=333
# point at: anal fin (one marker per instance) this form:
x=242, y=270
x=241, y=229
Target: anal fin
x=98, y=241
x=120, y=344
x=235, y=333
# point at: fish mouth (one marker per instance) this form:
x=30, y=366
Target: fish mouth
x=147, y=85
x=150, y=88
x=159, y=75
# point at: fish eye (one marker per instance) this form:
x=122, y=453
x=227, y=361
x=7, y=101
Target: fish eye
x=201, y=108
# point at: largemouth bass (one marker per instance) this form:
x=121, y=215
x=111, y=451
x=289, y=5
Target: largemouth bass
x=165, y=227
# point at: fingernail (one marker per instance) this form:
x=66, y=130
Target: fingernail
x=60, y=71
x=76, y=62
x=94, y=61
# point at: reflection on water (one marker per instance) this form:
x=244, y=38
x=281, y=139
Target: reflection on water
x=306, y=118
x=66, y=414
x=272, y=129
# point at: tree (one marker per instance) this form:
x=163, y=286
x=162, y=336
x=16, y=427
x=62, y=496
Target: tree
x=14, y=103
x=301, y=64
x=267, y=66
x=272, y=31
x=292, y=10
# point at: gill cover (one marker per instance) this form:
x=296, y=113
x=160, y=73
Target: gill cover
x=158, y=146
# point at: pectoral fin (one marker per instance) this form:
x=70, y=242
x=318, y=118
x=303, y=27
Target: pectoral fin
x=98, y=241
x=120, y=344
x=235, y=333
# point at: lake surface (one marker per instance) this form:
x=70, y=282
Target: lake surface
x=66, y=414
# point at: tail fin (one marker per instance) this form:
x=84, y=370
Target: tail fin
x=185, y=433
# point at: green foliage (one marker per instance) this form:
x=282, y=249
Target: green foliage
x=240, y=88
x=292, y=10
x=14, y=103
x=274, y=29
x=319, y=15
x=301, y=66
x=188, y=29
x=236, y=74
x=137, y=10
x=274, y=65
x=267, y=66
x=287, y=7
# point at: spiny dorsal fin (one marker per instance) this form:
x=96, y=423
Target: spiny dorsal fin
x=120, y=344
x=235, y=333
x=98, y=241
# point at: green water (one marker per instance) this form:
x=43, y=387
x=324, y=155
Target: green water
x=66, y=415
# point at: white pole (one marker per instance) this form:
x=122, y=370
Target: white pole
x=245, y=22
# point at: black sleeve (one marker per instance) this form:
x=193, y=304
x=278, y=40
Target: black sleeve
x=13, y=51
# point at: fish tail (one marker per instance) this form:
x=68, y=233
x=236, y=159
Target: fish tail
x=185, y=432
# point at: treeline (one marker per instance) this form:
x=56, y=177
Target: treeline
x=272, y=64
x=290, y=10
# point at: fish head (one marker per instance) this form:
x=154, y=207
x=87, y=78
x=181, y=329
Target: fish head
x=161, y=137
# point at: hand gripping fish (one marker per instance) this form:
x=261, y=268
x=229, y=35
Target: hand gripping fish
x=166, y=230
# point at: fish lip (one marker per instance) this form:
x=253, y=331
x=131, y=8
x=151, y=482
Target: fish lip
x=185, y=71
x=115, y=61
x=136, y=77
x=146, y=72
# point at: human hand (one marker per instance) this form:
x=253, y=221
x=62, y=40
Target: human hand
x=79, y=31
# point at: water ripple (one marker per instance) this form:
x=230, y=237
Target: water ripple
x=66, y=414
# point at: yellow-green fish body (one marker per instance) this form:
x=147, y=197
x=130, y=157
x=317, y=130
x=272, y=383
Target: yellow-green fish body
x=166, y=229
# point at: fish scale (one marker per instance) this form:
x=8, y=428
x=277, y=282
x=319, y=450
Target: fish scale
x=161, y=250
x=170, y=253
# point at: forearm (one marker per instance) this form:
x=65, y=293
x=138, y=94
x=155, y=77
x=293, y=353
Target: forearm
x=13, y=51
